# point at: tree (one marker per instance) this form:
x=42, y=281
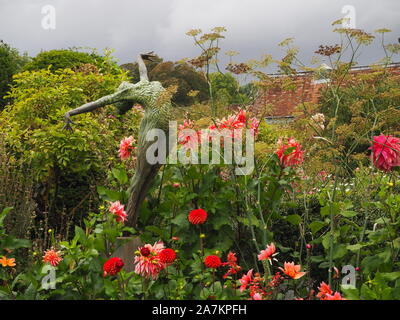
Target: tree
x=227, y=89
x=11, y=63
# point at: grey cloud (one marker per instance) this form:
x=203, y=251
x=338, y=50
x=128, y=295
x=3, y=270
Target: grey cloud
x=254, y=26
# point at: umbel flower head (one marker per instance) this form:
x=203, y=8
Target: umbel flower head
x=212, y=262
x=147, y=260
x=53, y=257
x=292, y=157
x=385, y=152
x=113, y=266
x=197, y=216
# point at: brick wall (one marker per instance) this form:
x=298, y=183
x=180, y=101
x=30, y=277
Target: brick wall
x=307, y=90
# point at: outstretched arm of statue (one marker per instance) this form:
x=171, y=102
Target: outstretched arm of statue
x=90, y=106
x=121, y=95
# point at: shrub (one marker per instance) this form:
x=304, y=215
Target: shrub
x=68, y=58
x=11, y=62
x=65, y=165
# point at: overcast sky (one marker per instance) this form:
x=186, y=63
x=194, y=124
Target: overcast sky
x=255, y=27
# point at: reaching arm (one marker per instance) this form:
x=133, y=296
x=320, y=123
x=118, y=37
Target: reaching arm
x=90, y=106
x=121, y=95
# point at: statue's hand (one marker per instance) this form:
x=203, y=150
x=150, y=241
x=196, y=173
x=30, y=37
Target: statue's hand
x=68, y=122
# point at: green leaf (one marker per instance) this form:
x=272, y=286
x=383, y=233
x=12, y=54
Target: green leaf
x=120, y=174
x=391, y=276
x=294, y=219
x=80, y=235
x=4, y=213
x=367, y=293
x=253, y=220
x=339, y=251
x=218, y=221
x=180, y=220
x=371, y=263
x=12, y=243
x=348, y=214
x=326, y=211
x=326, y=241
x=350, y=293
x=324, y=265
x=110, y=195
x=156, y=230
x=355, y=247
x=315, y=226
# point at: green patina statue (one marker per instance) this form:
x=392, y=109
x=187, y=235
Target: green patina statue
x=157, y=104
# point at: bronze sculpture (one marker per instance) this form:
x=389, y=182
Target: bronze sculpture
x=157, y=104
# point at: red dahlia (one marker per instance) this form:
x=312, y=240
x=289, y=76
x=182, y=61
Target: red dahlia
x=167, y=256
x=212, y=262
x=197, y=216
x=113, y=266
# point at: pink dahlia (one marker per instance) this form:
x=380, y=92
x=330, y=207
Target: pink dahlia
x=246, y=280
x=385, y=152
x=125, y=147
x=117, y=209
x=257, y=296
x=268, y=253
x=148, y=263
x=234, y=122
x=290, y=158
x=188, y=137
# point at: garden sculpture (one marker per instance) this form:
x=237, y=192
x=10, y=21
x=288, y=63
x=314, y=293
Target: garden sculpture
x=157, y=104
